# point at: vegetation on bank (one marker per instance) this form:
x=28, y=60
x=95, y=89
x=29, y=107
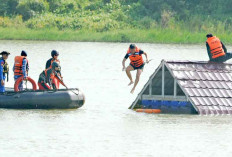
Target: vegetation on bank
x=169, y=21
x=131, y=35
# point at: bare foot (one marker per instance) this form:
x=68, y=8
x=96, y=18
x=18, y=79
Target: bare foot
x=130, y=83
x=132, y=90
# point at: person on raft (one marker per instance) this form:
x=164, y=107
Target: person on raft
x=21, y=68
x=48, y=78
x=54, y=58
x=217, y=51
x=4, y=69
x=136, y=63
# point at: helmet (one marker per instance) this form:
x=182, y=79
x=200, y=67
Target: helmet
x=23, y=53
x=132, y=46
x=209, y=35
x=55, y=64
x=4, y=53
x=54, y=53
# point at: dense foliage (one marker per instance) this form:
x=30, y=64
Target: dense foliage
x=105, y=15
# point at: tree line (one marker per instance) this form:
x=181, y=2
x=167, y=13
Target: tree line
x=103, y=15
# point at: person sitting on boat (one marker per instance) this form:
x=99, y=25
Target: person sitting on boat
x=54, y=58
x=136, y=63
x=217, y=51
x=21, y=68
x=48, y=79
x=4, y=69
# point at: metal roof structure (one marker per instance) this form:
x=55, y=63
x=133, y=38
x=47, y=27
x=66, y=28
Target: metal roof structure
x=206, y=85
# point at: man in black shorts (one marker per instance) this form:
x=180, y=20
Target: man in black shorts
x=136, y=63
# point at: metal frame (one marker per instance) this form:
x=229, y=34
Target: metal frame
x=167, y=98
x=163, y=78
x=150, y=87
x=162, y=97
x=177, y=82
x=146, y=85
x=175, y=88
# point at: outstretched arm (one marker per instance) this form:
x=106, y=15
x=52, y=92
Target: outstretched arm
x=123, y=64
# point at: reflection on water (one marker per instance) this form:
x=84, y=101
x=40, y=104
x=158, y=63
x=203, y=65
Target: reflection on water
x=104, y=126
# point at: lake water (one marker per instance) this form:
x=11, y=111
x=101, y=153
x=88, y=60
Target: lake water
x=105, y=126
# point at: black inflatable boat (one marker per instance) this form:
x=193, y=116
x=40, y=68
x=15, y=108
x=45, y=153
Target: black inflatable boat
x=52, y=99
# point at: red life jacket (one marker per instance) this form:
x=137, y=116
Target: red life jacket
x=215, y=47
x=136, y=58
x=18, y=65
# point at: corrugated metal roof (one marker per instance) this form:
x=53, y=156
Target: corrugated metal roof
x=208, y=85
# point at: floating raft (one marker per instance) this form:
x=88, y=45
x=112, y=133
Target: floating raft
x=188, y=87
x=50, y=99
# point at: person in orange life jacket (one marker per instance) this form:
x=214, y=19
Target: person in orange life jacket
x=3, y=70
x=54, y=58
x=217, y=51
x=21, y=68
x=136, y=63
x=46, y=78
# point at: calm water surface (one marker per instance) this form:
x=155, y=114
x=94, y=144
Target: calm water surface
x=104, y=126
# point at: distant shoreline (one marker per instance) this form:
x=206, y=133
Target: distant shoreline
x=165, y=36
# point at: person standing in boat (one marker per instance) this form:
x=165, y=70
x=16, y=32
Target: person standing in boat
x=4, y=69
x=48, y=78
x=21, y=68
x=217, y=51
x=55, y=55
x=136, y=63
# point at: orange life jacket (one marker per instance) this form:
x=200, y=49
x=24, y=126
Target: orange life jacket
x=19, y=64
x=215, y=47
x=136, y=59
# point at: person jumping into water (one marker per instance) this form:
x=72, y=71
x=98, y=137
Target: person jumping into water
x=217, y=51
x=136, y=63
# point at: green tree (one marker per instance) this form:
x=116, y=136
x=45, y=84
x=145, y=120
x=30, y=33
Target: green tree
x=29, y=8
x=8, y=7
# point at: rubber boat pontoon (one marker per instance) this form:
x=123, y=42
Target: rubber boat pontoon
x=51, y=99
